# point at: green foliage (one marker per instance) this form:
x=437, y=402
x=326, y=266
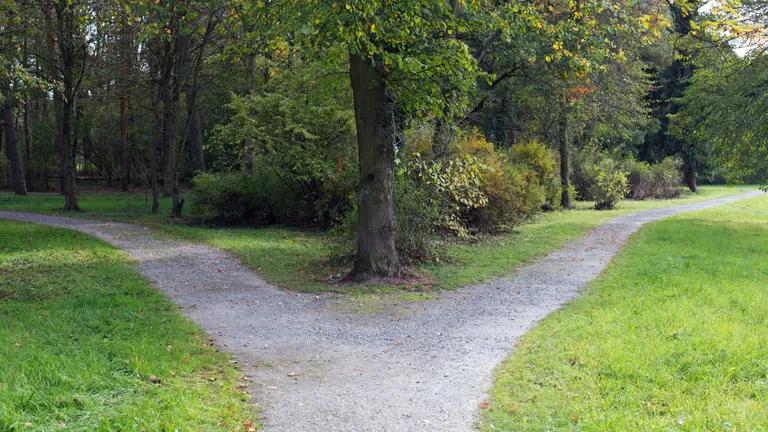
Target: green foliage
x=662, y=180
x=295, y=141
x=543, y=163
x=610, y=184
x=232, y=199
x=454, y=186
x=723, y=109
x=415, y=41
x=265, y=197
x=600, y=176
x=516, y=184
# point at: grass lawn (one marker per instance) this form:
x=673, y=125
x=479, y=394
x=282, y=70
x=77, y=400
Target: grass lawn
x=672, y=337
x=87, y=345
x=298, y=260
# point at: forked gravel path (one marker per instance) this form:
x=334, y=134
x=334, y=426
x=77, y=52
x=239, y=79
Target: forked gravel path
x=318, y=363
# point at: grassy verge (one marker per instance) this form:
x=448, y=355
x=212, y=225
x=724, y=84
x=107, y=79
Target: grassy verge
x=87, y=344
x=671, y=338
x=298, y=260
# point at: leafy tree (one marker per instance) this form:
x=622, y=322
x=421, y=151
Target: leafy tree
x=400, y=54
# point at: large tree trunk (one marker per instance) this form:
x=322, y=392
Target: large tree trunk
x=376, y=252
x=11, y=144
x=691, y=178
x=565, y=156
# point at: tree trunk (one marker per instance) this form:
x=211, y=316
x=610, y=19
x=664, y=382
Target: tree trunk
x=62, y=24
x=195, y=133
x=11, y=144
x=154, y=158
x=126, y=62
x=441, y=138
x=250, y=67
x=376, y=252
x=691, y=177
x=123, y=149
x=67, y=158
x=565, y=156
x=27, y=148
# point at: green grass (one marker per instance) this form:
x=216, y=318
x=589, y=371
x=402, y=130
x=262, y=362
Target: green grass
x=298, y=260
x=83, y=337
x=672, y=337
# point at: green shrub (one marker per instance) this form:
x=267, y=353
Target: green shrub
x=515, y=182
x=266, y=197
x=512, y=198
x=234, y=199
x=610, y=184
x=542, y=161
x=659, y=181
x=454, y=186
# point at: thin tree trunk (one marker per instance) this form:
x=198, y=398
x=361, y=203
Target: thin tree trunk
x=27, y=147
x=565, y=156
x=376, y=252
x=250, y=66
x=126, y=61
x=194, y=130
x=154, y=157
x=11, y=144
x=123, y=146
x=61, y=22
x=68, y=158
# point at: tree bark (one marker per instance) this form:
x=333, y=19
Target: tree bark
x=376, y=252
x=11, y=143
x=61, y=22
x=126, y=61
x=441, y=138
x=250, y=68
x=565, y=156
x=123, y=146
x=27, y=148
x=691, y=177
x=154, y=158
x=195, y=132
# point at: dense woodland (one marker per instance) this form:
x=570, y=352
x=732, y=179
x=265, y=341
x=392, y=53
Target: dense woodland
x=392, y=123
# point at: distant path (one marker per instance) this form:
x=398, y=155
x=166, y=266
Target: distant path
x=320, y=365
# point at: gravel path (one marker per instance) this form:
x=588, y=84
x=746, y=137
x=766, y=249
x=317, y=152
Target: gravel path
x=321, y=364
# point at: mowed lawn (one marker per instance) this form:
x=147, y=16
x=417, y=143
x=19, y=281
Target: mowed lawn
x=299, y=260
x=87, y=345
x=673, y=337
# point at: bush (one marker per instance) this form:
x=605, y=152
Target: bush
x=235, y=199
x=659, y=181
x=512, y=199
x=517, y=183
x=610, y=184
x=543, y=162
x=268, y=196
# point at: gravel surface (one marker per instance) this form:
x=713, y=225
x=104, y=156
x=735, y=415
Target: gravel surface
x=324, y=363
